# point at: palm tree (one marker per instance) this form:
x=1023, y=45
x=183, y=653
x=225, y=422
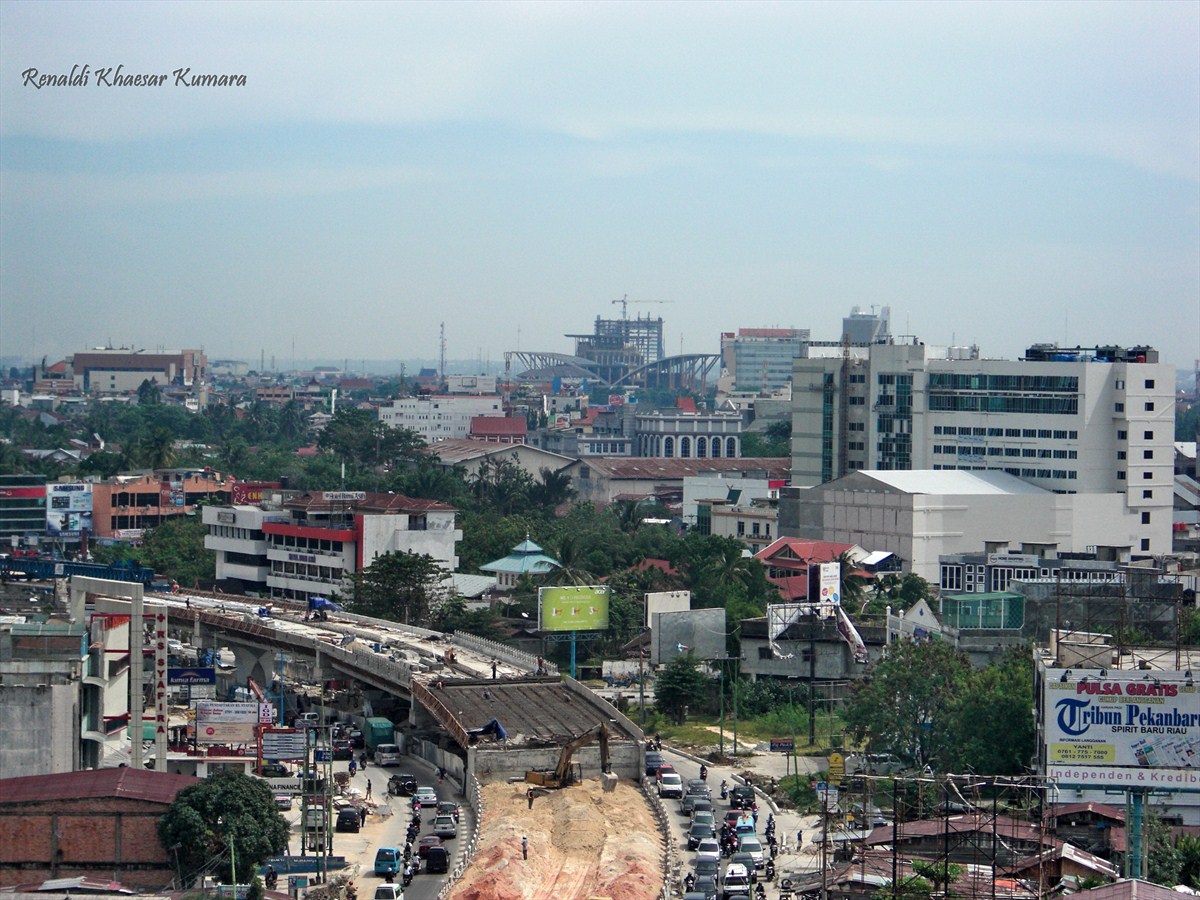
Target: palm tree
x=160, y=450
x=573, y=564
x=854, y=586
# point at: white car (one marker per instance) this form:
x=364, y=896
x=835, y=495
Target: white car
x=709, y=848
x=283, y=801
x=389, y=892
x=387, y=755
x=737, y=878
x=426, y=796
x=670, y=785
x=752, y=845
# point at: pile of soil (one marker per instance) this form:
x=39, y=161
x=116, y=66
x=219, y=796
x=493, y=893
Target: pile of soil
x=583, y=842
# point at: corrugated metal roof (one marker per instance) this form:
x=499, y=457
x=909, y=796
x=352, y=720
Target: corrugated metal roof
x=951, y=481
x=649, y=467
x=136, y=784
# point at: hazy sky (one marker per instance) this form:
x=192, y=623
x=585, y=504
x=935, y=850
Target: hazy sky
x=998, y=174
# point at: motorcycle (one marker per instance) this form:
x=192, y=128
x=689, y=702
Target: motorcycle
x=408, y=875
x=724, y=790
x=770, y=871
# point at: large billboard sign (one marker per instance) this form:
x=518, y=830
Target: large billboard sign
x=576, y=608
x=831, y=583
x=68, y=509
x=666, y=601
x=1122, y=730
x=226, y=723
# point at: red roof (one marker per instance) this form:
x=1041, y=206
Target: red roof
x=136, y=784
x=1100, y=809
x=685, y=404
x=798, y=552
x=373, y=501
x=496, y=426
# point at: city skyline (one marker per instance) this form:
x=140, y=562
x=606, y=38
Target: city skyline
x=997, y=174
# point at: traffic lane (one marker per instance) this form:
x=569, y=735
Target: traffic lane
x=424, y=886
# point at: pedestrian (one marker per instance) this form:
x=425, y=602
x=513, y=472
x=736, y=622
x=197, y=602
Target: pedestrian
x=529, y=797
x=524, y=847
x=368, y=788
x=441, y=773
x=493, y=670
x=799, y=838
x=362, y=813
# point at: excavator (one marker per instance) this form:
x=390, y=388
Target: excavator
x=564, y=774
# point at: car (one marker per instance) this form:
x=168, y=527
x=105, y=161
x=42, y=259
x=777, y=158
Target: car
x=387, y=859
x=670, y=785
x=654, y=759
x=402, y=784
x=275, y=770
x=695, y=895
x=665, y=769
x=706, y=816
x=283, y=800
x=731, y=817
x=706, y=886
x=356, y=738
x=698, y=833
x=687, y=803
x=387, y=755
x=343, y=749
x=437, y=859
x=742, y=797
x=348, y=819
x=425, y=844
x=736, y=880
x=389, y=892
x=698, y=787
x=702, y=805
x=445, y=827
x=708, y=850
x=742, y=858
x=426, y=797
x=752, y=845
x=448, y=808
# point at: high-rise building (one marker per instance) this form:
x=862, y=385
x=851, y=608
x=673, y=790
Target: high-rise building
x=760, y=359
x=1079, y=420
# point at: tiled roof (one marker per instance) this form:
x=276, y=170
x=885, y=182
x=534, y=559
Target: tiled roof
x=137, y=784
x=1100, y=809
x=373, y=502
x=497, y=426
x=799, y=550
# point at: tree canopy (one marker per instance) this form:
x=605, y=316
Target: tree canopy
x=680, y=686
x=402, y=587
x=206, y=817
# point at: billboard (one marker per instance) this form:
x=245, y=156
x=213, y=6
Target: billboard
x=831, y=583
x=68, y=509
x=666, y=601
x=700, y=632
x=225, y=723
x=1121, y=729
x=250, y=493
x=575, y=608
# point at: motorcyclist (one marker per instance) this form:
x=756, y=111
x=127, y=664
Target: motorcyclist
x=770, y=870
x=351, y=891
x=690, y=881
x=724, y=790
x=703, y=773
x=272, y=878
x=408, y=873
x=353, y=767
x=760, y=893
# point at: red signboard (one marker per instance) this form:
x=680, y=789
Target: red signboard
x=12, y=493
x=249, y=493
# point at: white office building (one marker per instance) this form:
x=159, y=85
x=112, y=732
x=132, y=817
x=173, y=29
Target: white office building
x=440, y=417
x=1072, y=421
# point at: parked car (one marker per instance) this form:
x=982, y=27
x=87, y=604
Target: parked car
x=654, y=759
x=445, y=827
x=437, y=859
x=275, y=770
x=348, y=819
x=741, y=858
x=665, y=769
x=427, y=797
x=389, y=892
x=699, y=787
x=706, y=817
x=387, y=859
x=706, y=886
x=283, y=800
x=670, y=785
x=742, y=797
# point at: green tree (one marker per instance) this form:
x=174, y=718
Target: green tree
x=175, y=549
x=502, y=485
x=994, y=730
x=229, y=808
x=776, y=441
x=453, y=616
x=552, y=490
x=402, y=587
x=159, y=451
x=680, y=686
x=1164, y=859
x=148, y=393
x=905, y=704
x=854, y=585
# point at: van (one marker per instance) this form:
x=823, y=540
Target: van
x=736, y=880
x=387, y=755
x=387, y=859
x=437, y=860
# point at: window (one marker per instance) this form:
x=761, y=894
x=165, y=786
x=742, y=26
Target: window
x=1119, y=407
x=1073, y=435
x=1145, y=544
x=1060, y=435
x=1122, y=435
x=1148, y=494
x=1149, y=383
x=1120, y=454
x=1029, y=432
x=1146, y=476
x=1044, y=432
x=1148, y=435
x=1145, y=518
x=1149, y=406
x=1147, y=454
x=1120, y=476
x=1119, y=384
x=858, y=401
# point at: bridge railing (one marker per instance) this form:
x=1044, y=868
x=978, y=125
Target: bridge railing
x=510, y=655
x=475, y=800
x=672, y=861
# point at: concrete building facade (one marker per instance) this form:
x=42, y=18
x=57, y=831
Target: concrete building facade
x=760, y=359
x=439, y=417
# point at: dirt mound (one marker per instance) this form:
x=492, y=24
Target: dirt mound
x=583, y=842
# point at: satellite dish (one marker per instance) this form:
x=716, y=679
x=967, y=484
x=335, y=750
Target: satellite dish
x=524, y=615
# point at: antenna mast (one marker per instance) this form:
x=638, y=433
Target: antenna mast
x=442, y=370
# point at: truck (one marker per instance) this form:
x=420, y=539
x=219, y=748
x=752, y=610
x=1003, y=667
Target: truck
x=378, y=730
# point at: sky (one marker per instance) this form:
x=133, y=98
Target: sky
x=999, y=174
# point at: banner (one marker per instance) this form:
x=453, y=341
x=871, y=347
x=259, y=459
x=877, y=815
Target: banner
x=831, y=583
x=68, y=509
x=1120, y=722
x=581, y=608
x=226, y=723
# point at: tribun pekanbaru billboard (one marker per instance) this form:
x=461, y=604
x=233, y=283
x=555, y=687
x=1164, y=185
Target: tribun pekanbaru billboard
x=1123, y=729
x=575, y=608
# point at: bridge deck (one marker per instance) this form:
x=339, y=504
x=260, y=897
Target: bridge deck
x=532, y=710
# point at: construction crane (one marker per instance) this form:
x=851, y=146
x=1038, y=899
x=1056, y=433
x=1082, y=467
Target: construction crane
x=625, y=301
x=563, y=773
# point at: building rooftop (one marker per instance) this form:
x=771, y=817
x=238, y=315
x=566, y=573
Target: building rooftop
x=155, y=787
x=649, y=467
x=949, y=481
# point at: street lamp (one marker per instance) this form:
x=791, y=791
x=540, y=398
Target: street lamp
x=232, y=860
x=792, y=715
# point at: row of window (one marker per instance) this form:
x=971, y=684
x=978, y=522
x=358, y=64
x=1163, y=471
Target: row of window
x=757, y=529
x=1148, y=406
x=324, y=574
x=1149, y=383
x=1004, y=403
x=1022, y=452
x=1146, y=476
x=1043, y=433
x=1063, y=474
x=1123, y=435
x=1146, y=454
x=231, y=531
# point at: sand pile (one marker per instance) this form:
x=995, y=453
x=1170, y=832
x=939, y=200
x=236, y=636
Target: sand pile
x=583, y=843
